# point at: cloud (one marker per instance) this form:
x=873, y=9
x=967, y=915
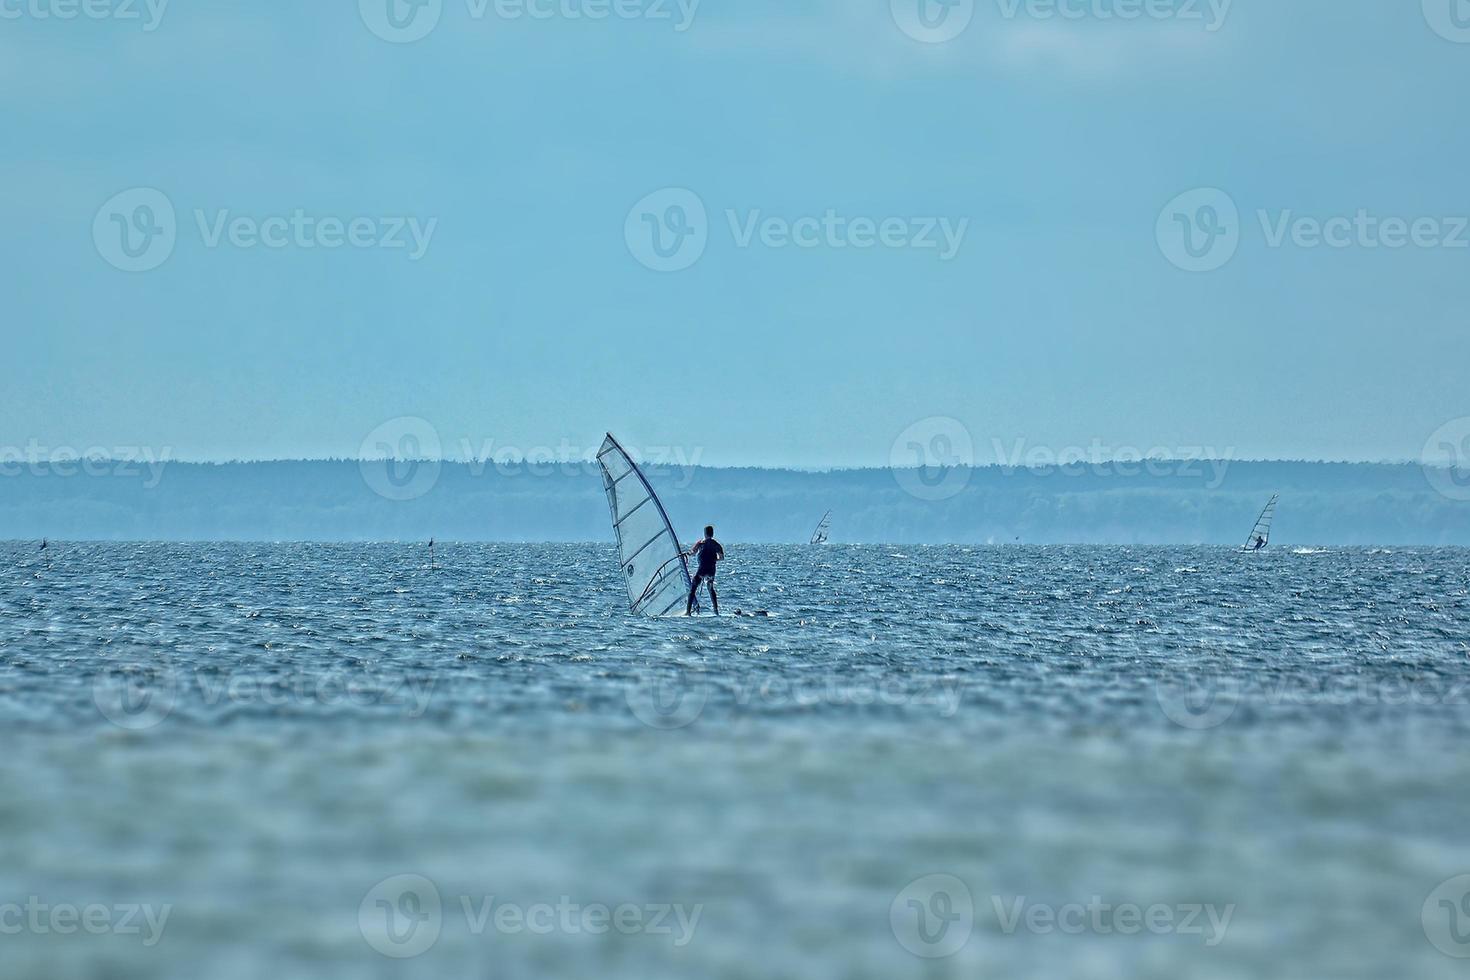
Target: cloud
x=1101, y=51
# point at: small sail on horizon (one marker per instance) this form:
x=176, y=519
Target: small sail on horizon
x=820, y=535
x=1261, y=533
x=655, y=568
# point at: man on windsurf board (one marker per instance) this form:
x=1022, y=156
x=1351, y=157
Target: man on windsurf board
x=710, y=554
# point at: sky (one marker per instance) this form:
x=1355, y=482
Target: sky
x=808, y=233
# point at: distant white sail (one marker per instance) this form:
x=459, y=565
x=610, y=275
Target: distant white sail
x=654, y=567
x=1261, y=533
x=819, y=536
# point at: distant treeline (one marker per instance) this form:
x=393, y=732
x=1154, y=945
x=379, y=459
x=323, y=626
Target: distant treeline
x=1162, y=503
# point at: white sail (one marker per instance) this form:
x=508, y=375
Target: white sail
x=819, y=536
x=1261, y=533
x=654, y=567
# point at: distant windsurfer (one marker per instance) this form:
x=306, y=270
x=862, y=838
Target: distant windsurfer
x=710, y=554
x=1260, y=542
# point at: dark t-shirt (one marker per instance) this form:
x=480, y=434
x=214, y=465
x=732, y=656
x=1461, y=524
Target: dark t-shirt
x=709, y=552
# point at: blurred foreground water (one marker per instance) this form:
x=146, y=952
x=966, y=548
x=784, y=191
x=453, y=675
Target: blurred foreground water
x=331, y=760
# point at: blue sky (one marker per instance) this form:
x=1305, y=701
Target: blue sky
x=526, y=315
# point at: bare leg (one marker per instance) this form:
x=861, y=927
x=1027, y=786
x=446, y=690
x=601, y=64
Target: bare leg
x=693, y=594
x=714, y=598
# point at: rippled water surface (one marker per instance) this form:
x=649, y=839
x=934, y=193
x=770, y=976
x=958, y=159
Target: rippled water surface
x=261, y=741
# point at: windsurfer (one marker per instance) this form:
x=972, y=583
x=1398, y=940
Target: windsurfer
x=710, y=554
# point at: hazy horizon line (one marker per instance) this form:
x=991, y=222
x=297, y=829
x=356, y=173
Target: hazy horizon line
x=843, y=468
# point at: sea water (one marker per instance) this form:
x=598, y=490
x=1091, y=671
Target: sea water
x=318, y=761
